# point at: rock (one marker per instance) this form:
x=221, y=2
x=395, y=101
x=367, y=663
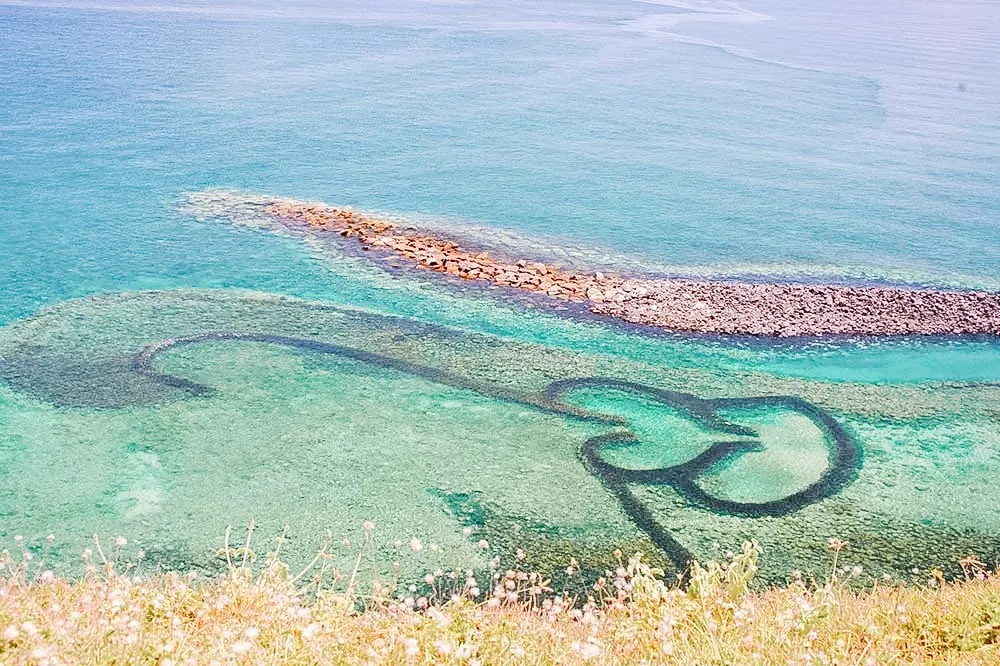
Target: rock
x=722, y=307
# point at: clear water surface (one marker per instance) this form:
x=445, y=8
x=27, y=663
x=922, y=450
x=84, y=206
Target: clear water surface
x=770, y=138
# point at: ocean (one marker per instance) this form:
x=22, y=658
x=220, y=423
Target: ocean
x=855, y=142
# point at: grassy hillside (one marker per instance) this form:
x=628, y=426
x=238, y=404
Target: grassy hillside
x=264, y=614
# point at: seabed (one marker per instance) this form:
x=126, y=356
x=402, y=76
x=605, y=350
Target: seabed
x=176, y=414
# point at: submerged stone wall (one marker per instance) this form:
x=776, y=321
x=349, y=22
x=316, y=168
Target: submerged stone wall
x=727, y=307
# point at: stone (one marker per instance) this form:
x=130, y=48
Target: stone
x=676, y=304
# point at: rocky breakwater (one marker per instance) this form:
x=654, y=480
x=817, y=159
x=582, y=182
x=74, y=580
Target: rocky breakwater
x=446, y=256
x=796, y=309
x=735, y=308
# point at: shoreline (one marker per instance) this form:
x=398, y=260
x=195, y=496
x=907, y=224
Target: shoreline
x=680, y=305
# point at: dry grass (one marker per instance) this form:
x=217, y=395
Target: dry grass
x=265, y=615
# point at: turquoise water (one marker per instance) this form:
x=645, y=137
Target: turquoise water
x=766, y=139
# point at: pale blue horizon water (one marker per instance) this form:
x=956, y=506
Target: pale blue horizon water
x=791, y=139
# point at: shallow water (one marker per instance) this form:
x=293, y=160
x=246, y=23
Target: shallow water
x=314, y=416
x=770, y=139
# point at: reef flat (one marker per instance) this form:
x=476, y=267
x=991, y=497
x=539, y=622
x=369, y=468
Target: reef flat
x=174, y=401
x=674, y=304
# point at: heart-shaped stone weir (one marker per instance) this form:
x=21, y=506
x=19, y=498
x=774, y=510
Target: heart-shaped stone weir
x=731, y=441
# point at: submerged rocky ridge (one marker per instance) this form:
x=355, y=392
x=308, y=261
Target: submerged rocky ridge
x=676, y=304
x=191, y=392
